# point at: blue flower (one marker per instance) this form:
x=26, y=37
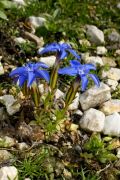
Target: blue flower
x=29, y=73
x=62, y=50
x=82, y=71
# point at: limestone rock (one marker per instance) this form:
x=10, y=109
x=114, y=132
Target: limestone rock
x=92, y=120
x=95, y=96
x=75, y=103
x=50, y=60
x=94, y=60
x=110, y=106
x=7, y=142
x=5, y=155
x=22, y=146
x=114, y=36
x=1, y=69
x=112, y=73
x=109, y=61
x=11, y=104
x=101, y=50
x=20, y=40
x=95, y=35
x=112, y=125
x=19, y=2
x=8, y=173
x=59, y=94
x=112, y=84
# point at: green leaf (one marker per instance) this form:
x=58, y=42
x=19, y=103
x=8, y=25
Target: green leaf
x=7, y=4
x=3, y=15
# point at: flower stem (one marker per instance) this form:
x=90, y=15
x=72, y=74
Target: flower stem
x=72, y=92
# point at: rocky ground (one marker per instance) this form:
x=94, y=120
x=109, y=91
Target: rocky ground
x=86, y=145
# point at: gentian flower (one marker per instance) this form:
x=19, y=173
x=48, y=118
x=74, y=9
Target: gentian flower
x=30, y=72
x=62, y=50
x=81, y=71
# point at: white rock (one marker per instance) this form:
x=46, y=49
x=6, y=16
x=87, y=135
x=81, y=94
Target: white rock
x=78, y=112
x=117, y=52
x=20, y=40
x=94, y=60
x=112, y=73
x=19, y=2
x=22, y=146
x=101, y=50
x=75, y=103
x=95, y=96
x=11, y=104
x=8, y=173
x=84, y=56
x=1, y=69
x=92, y=120
x=5, y=155
x=84, y=42
x=118, y=5
x=110, y=106
x=41, y=88
x=36, y=21
x=50, y=60
x=109, y=61
x=7, y=142
x=95, y=35
x=59, y=94
x=114, y=36
x=118, y=153
x=112, y=125
x=112, y=84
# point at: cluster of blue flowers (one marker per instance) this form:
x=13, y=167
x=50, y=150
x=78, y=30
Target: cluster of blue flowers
x=32, y=71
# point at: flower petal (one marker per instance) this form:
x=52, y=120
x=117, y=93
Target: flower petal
x=68, y=70
x=63, y=54
x=73, y=52
x=31, y=78
x=21, y=80
x=53, y=47
x=95, y=79
x=84, y=82
x=43, y=74
x=74, y=63
x=41, y=64
x=89, y=66
x=17, y=71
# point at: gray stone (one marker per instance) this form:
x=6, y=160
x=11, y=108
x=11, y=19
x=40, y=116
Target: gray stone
x=1, y=69
x=11, y=104
x=59, y=94
x=118, y=153
x=50, y=60
x=5, y=155
x=84, y=42
x=74, y=105
x=19, y=2
x=101, y=50
x=112, y=125
x=118, y=5
x=94, y=60
x=112, y=84
x=112, y=73
x=92, y=120
x=109, y=61
x=36, y=22
x=22, y=146
x=95, y=96
x=114, y=36
x=7, y=142
x=110, y=106
x=8, y=173
x=95, y=35
x=20, y=40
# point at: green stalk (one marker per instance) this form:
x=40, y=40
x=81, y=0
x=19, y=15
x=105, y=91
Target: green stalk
x=72, y=92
